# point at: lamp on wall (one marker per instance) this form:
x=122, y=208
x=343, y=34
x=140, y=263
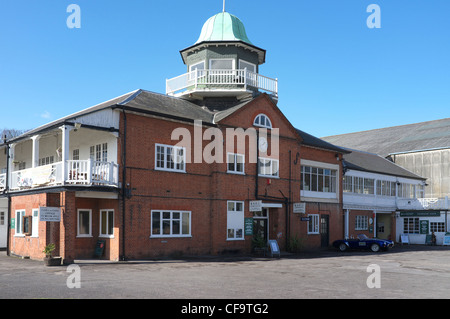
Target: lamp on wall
x=77, y=126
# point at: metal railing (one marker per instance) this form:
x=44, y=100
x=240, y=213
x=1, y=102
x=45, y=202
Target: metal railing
x=223, y=79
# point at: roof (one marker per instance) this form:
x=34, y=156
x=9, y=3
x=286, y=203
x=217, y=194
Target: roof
x=313, y=141
x=398, y=139
x=369, y=162
x=138, y=100
x=223, y=27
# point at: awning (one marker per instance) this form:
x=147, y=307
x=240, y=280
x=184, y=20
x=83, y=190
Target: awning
x=272, y=205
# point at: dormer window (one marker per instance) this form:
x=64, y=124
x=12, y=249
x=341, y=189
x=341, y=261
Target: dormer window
x=262, y=121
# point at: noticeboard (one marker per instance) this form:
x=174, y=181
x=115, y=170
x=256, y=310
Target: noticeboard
x=49, y=214
x=404, y=239
x=255, y=205
x=248, y=226
x=273, y=248
x=446, y=240
x=424, y=227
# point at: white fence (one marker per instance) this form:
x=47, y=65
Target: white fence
x=207, y=79
x=84, y=172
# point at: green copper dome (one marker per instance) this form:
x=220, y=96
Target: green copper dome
x=223, y=27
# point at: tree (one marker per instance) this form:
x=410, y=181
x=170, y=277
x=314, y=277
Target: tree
x=6, y=134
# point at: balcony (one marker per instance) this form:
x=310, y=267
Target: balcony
x=83, y=172
x=220, y=82
x=423, y=203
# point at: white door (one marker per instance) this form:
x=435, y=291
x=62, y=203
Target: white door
x=3, y=229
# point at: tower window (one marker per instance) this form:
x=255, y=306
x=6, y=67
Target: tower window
x=262, y=121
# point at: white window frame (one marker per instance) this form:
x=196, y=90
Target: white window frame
x=235, y=170
x=108, y=223
x=35, y=223
x=78, y=222
x=99, y=152
x=411, y=225
x=266, y=119
x=361, y=222
x=171, y=220
x=270, y=168
x=252, y=64
x=194, y=67
x=233, y=64
x=313, y=224
x=166, y=168
x=235, y=220
x=19, y=221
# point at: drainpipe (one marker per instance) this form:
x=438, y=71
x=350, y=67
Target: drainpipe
x=124, y=173
x=8, y=215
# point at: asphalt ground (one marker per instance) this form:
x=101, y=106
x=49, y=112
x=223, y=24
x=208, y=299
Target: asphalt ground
x=404, y=272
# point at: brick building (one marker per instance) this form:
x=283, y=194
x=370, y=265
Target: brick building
x=211, y=167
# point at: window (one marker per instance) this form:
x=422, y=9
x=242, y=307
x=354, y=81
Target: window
x=361, y=222
x=76, y=155
x=35, y=223
x=221, y=64
x=437, y=227
x=197, y=66
x=235, y=163
x=46, y=160
x=317, y=179
x=170, y=158
x=200, y=66
x=406, y=190
x=247, y=65
x=2, y=218
x=107, y=223
x=235, y=220
x=313, y=224
x=268, y=167
x=262, y=120
x=84, y=228
x=22, y=166
x=348, y=184
x=385, y=188
x=99, y=152
x=171, y=224
x=19, y=218
x=411, y=225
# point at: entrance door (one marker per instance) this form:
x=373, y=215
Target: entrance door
x=3, y=229
x=324, y=231
x=261, y=226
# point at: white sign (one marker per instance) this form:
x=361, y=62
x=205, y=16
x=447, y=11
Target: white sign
x=49, y=214
x=256, y=205
x=300, y=208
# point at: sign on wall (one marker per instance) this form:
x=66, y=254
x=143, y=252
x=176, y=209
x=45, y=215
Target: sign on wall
x=248, y=226
x=255, y=205
x=299, y=208
x=49, y=214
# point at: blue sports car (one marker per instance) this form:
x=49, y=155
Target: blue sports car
x=363, y=242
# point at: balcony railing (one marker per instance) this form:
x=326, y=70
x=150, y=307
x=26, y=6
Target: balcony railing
x=85, y=172
x=423, y=203
x=220, y=79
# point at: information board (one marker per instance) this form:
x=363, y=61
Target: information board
x=273, y=248
x=446, y=240
x=424, y=226
x=49, y=214
x=404, y=239
x=248, y=226
x=255, y=205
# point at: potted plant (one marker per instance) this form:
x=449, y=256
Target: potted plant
x=49, y=260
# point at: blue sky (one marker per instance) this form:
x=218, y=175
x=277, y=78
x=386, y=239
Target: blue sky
x=335, y=74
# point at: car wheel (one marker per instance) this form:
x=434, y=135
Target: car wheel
x=375, y=248
x=342, y=247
